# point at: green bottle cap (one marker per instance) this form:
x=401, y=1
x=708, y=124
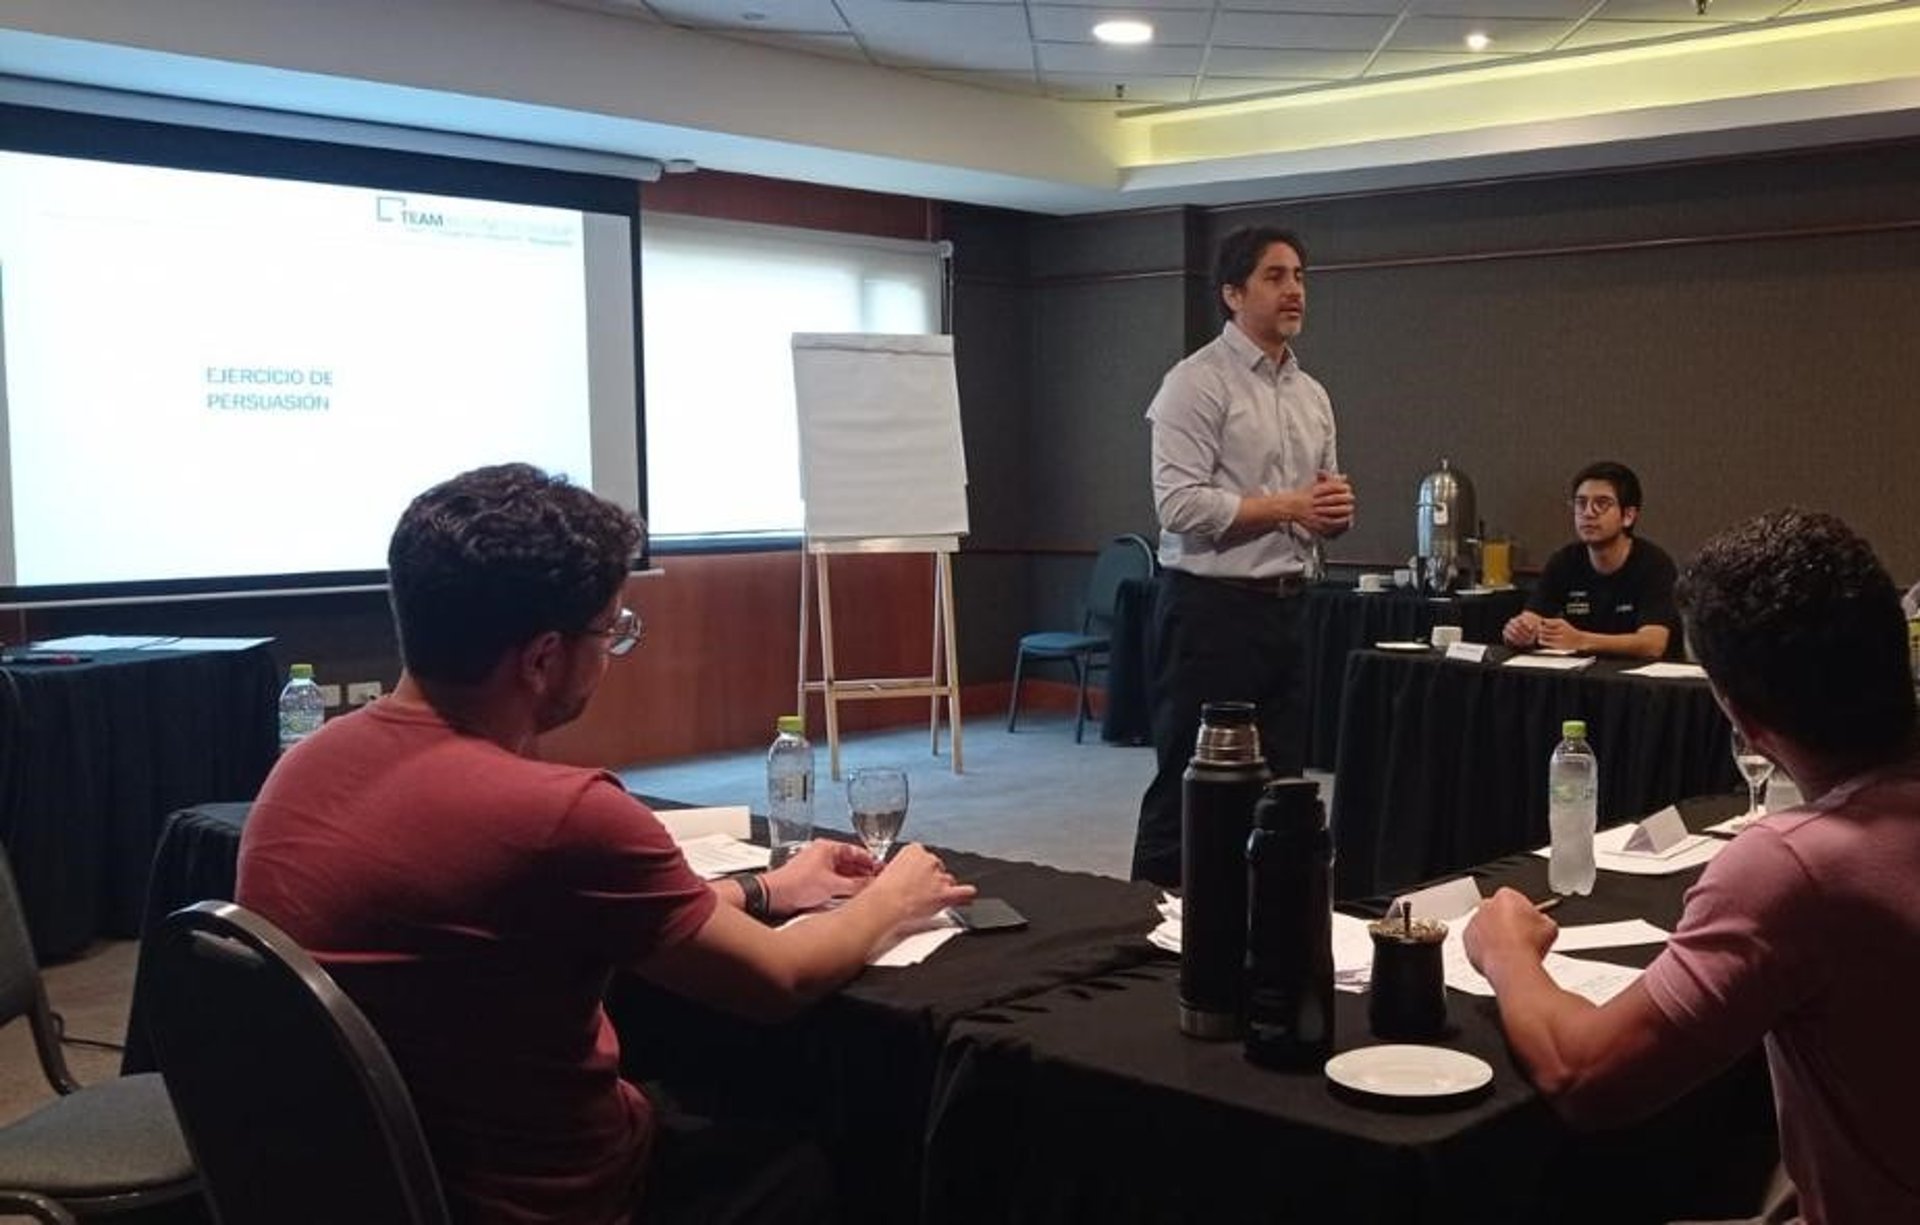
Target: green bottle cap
x=1574, y=729
x=790, y=725
x=301, y=672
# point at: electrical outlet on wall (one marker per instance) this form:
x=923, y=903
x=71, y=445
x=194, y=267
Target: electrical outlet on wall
x=361, y=692
x=330, y=696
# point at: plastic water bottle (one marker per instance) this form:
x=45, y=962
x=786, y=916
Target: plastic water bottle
x=1573, y=775
x=302, y=708
x=789, y=790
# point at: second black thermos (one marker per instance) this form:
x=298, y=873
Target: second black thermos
x=1290, y=928
x=1217, y=795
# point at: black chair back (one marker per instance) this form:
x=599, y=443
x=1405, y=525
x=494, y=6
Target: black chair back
x=291, y=1103
x=22, y=991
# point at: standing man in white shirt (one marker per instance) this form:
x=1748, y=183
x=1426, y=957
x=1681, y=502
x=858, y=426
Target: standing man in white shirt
x=1246, y=483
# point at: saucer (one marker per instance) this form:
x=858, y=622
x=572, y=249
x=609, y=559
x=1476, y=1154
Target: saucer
x=1402, y=1072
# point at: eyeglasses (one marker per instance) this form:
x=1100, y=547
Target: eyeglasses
x=1599, y=506
x=627, y=632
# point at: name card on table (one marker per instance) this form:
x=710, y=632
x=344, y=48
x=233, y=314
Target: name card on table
x=1471, y=652
x=1445, y=901
x=1657, y=834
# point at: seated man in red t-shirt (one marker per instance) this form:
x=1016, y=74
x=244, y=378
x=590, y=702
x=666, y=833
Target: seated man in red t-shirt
x=474, y=900
x=1805, y=930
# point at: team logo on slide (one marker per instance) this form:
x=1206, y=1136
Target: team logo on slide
x=394, y=209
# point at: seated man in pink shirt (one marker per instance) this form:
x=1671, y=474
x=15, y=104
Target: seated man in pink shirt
x=1804, y=932
x=474, y=900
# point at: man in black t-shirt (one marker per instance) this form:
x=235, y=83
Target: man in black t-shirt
x=1609, y=592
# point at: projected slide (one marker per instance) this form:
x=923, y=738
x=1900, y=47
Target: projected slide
x=212, y=375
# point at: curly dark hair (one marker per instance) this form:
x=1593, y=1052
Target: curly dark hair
x=1799, y=625
x=488, y=560
x=1240, y=253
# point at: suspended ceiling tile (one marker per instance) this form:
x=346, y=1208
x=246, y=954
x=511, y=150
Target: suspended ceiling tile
x=1313, y=31
x=1252, y=62
x=1619, y=33
x=1061, y=23
x=1398, y=63
x=941, y=35
x=817, y=16
x=1146, y=5
x=1487, y=10
x=1684, y=12
x=1450, y=34
x=1338, y=8
x=1094, y=87
x=1119, y=62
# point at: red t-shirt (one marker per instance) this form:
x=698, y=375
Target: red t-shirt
x=1806, y=929
x=474, y=903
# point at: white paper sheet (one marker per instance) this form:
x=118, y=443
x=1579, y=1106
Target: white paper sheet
x=1625, y=933
x=1669, y=671
x=712, y=856
x=1550, y=663
x=98, y=642
x=1597, y=981
x=202, y=644
x=1609, y=853
x=683, y=823
x=1352, y=946
x=912, y=949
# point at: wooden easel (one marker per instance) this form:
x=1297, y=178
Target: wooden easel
x=942, y=678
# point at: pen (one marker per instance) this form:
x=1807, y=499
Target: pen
x=1546, y=904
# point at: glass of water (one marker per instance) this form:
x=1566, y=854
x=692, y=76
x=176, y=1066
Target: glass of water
x=878, y=800
x=1756, y=769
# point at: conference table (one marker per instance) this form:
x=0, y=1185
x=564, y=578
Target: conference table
x=1339, y=618
x=1085, y=1103
x=1443, y=762
x=855, y=1070
x=1040, y=1074
x=93, y=756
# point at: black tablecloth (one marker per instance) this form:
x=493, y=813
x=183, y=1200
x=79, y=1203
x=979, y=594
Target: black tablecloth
x=857, y=1069
x=94, y=755
x=1339, y=619
x=1443, y=763
x=1343, y=619
x=1086, y=1103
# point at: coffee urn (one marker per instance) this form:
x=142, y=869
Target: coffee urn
x=1445, y=526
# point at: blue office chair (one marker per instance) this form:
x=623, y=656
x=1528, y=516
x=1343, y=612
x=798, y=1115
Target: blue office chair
x=291, y=1103
x=1125, y=559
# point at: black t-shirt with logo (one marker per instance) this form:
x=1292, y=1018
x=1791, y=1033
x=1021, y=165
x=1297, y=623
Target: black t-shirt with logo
x=1639, y=593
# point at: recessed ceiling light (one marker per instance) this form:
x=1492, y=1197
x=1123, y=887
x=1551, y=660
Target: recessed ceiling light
x=1478, y=41
x=1124, y=33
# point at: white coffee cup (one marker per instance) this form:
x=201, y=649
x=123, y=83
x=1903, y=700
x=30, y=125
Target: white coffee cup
x=1403, y=578
x=1444, y=636
x=1373, y=582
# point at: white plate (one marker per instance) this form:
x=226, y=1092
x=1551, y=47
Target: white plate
x=1400, y=646
x=1409, y=1071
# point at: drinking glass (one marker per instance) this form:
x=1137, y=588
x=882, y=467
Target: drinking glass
x=1756, y=769
x=877, y=797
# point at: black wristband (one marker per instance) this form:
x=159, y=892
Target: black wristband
x=755, y=892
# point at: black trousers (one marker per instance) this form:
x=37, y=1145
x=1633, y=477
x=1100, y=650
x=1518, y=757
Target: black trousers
x=733, y=1173
x=1215, y=642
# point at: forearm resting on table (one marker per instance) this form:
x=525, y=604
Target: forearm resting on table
x=1598, y=1066
x=768, y=974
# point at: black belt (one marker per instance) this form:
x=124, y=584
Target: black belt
x=1280, y=586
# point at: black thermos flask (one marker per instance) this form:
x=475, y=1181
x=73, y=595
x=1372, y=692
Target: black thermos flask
x=1290, y=928
x=1217, y=795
